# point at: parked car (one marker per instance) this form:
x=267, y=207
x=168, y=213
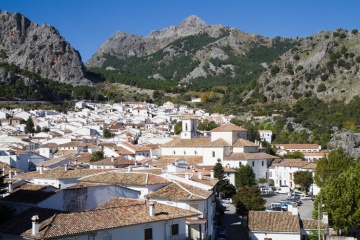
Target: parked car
x=305, y=197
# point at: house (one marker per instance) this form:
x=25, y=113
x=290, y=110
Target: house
x=265, y=135
x=274, y=225
x=111, y=163
x=117, y=219
x=195, y=193
x=288, y=148
x=143, y=182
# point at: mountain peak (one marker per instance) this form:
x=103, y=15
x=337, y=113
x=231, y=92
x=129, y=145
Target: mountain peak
x=193, y=21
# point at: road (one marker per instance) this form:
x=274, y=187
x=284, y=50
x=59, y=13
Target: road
x=233, y=224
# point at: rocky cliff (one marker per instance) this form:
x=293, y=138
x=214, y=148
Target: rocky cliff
x=39, y=49
x=325, y=65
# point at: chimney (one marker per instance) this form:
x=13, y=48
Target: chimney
x=212, y=174
x=176, y=163
x=200, y=175
x=294, y=210
x=112, y=158
x=130, y=169
x=11, y=174
x=41, y=169
x=3, y=171
x=151, y=209
x=65, y=167
x=75, y=161
x=35, y=225
x=135, y=163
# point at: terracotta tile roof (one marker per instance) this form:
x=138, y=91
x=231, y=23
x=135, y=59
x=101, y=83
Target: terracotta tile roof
x=249, y=156
x=244, y=143
x=228, y=127
x=211, y=167
x=30, y=193
x=51, y=161
x=313, y=224
x=309, y=154
x=122, y=151
x=196, y=142
x=126, y=178
x=136, y=147
x=155, y=171
x=49, y=145
x=116, y=162
x=273, y=221
x=204, y=180
x=73, y=144
x=9, y=168
x=293, y=163
x=299, y=146
x=67, y=224
x=85, y=158
x=86, y=184
x=60, y=173
x=311, y=166
x=178, y=191
x=22, y=222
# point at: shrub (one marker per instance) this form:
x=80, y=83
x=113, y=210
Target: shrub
x=294, y=49
x=336, y=34
x=326, y=36
x=274, y=70
x=299, y=68
x=354, y=31
x=342, y=35
x=357, y=59
x=296, y=57
x=324, y=77
x=321, y=88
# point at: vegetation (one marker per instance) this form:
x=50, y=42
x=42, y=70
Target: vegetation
x=223, y=186
x=303, y=178
x=107, y=133
x=29, y=126
x=245, y=176
x=97, y=156
x=178, y=128
x=248, y=198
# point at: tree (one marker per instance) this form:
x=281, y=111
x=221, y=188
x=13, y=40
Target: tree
x=295, y=155
x=223, y=186
x=303, y=178
x=107, y=133
x=3, y=185
x=331, y=166
x=178, y=128
x=29, y=125
x=245, y=176
x=97, y=156
x=248, y=198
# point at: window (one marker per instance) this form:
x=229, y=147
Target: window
x=213, y=153
x=148, y=233
x=240, y=163
x=186, y=127
x=184, y=152
x=174, y=229
x=262, y=163
x=195, y=152
x=253, y=163
x=174, y=152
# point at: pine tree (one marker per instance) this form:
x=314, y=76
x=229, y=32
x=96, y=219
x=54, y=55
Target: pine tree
x=223, y=186
x=29, y=126
x=245, y=176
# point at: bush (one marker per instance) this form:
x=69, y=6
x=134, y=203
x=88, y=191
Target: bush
x=274, y=70
x=326, y=36
x=321, y=88
x=324, y=77
x=357, y=59
x=296, y=57
x=342, y=35
x=336, y=34
x=354, y=31
x=299, y=68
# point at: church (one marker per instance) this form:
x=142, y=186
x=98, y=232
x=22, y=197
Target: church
x=227, y=143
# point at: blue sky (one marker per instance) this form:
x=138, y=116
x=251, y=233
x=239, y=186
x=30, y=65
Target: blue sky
x=86, y=24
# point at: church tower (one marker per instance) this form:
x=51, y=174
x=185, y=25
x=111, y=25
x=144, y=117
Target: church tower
x=189, y=128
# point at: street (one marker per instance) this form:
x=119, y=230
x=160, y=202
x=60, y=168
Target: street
x=233, y=224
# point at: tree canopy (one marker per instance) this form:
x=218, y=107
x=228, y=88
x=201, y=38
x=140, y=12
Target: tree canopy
x=178, y=128
x=303, y=178
x=107, y=133
x=29, y=125
x=97, y=156
x=248, y=198
x=245, y=176
x=223, y=186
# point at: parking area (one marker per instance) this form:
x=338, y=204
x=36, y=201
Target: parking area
x=305, y=209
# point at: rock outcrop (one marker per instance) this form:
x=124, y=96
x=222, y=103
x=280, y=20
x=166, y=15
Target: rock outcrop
x=39, y=49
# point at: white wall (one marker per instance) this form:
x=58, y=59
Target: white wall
x=277, y=236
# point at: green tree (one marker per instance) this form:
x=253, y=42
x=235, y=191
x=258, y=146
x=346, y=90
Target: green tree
x=97, y=156
x=245, y=176
x=107, y=133
x=248, y=198
x=29, y=125
x=294, y=155
x=303, y=178
x=331, y=166
x=178, y=128
x=223, y=186
x=341, y=199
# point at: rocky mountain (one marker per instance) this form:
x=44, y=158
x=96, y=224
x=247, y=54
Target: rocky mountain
x=38, y=49
x=325, y=65
x=191, y=50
